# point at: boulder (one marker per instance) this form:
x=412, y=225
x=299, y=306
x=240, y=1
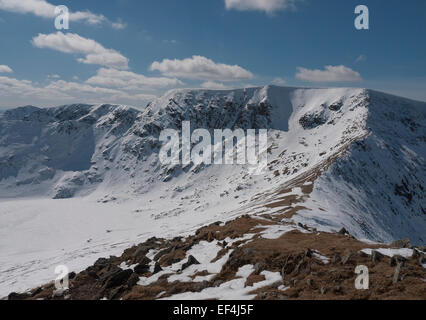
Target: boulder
x=140, y=253
x=395, y=260
x=101, y=262
x=347, y=256
x=157, y=268
x=190, y=262
x=397, y=272
x=336, y=259
x=376, y=256
x=141, y=268
x=308, y=253
x=343, y=231
x=141, y=260
x=115, y=278
x=18, y=296
x=259, y=267
x=133, y=280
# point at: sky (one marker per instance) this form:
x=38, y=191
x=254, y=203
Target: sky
x=131, y=51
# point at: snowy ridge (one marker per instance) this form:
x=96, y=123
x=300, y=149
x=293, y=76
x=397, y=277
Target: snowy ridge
x=81, y=180
x=378, y=186
x=46, y=150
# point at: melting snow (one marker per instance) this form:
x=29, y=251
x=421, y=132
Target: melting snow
x=404, y=252
x=234, y=289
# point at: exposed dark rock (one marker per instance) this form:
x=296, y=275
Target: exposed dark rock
x=190, y=262
x=396, y=275
x=395, y=260
x=336, y=259
x=162, y=253
x=376, y=256
x=18, y=296
x=202, y=285
x=115, y=278
x=362, y=254
x=347, y=256
x=259, y=267
x=115, y=293
x=415, y=254
x=36, y=291
x=311, y=121
x=133, y=280
x=303, y=226
x=343, y=231
x=157, y=268
x=308, y=253
x=218, y=283
x=298, y=266
x=338, y=290
x=141, y=259
x=336, y=106
x=141, y=268
x=171, y=261
x=91, y=273
x=249, y=251
x=101, y=262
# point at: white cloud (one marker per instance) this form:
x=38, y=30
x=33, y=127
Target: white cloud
x=329, y=74
x=214, y=85
x=14, y=92
x=267, y=6
x=202, y=68
x=279, y=81
x=94, y=52
x=170, y=41
x=130, y=80
x=44, y=9
x=5, y=69
x=360, y=58
x=119, y=25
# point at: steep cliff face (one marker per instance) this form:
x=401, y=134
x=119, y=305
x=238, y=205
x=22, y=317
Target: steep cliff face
x=45, y=150
x=377, y=187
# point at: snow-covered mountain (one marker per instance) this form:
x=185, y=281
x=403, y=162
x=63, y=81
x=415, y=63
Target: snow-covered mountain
x=344, y=157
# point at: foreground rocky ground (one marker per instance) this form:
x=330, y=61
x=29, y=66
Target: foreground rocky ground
x=258, y=257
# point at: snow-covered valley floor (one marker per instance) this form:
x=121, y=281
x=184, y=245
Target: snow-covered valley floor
x=39, y=234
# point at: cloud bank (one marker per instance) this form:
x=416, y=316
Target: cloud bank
x=200, y=68
x=130, y=80
x=268, y=6
x=5, y=69
x=44, y=9
x=94, y=52
x=14, y=92
x=329, y=74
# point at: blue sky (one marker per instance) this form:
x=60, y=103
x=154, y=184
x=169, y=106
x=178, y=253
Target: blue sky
x=130, y=51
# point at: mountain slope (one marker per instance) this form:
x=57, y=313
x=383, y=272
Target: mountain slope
x=344, y=157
